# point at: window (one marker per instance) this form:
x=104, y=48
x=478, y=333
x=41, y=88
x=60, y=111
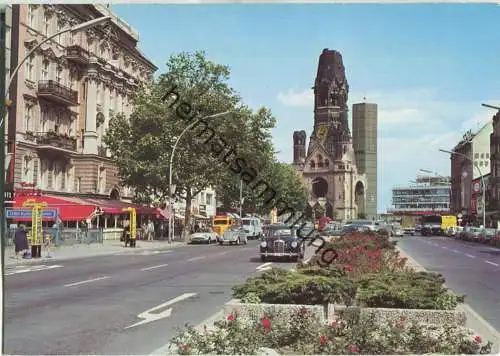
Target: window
x=28, y=118
x=45, y=171
x=31, y=16
x=57, y=126
x=480, y=163
x=30, y=68
x=57, y=176
x=482, y=155
x=46, y=25
x=476, y=155
x=45, y=69
x=101, y=184
x=44, y=115
x=209, y=199
x=59, y=28
x=28, y=165
x=59, y=75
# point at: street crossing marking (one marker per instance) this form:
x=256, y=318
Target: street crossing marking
x=87, y=281
x=154, y=267
x=455, y=251
x=26, y=269
x=149, y=316
x=264, y=267
x=469, y=255
x=491, y=263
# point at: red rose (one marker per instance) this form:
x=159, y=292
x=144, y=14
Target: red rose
x=322, y=340
x=230, y=317
x=334, y=324
x=353, y=349
x=266, y=323
x=478, y=339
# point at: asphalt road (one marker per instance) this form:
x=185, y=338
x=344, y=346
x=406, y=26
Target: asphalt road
x=469, y=268
x=84, y=306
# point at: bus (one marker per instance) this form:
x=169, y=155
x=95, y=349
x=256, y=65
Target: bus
x=431, y=225
x=222, y=222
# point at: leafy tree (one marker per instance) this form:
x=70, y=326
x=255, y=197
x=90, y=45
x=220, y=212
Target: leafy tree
x=193, y=87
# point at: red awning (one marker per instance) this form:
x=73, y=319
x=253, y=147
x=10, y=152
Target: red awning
x=117, y=206
x=70, y=208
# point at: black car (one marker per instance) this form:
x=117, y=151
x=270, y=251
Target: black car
x=281, y=241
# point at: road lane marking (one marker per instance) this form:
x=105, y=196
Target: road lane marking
x=492, y=263
x=264, y=267
x=154, y=267
x=87, y=281
x=469, y=255
x=444, y=247
x=455, y=251
x=196, y=258
x=221, y=253
x=149, y=316
x=31, y=269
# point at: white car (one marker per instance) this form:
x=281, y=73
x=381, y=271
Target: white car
x=398, y=232
x=205, y=235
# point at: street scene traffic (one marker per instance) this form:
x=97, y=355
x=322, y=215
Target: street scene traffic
x=189, y=180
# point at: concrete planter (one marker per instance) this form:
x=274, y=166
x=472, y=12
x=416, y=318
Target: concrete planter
x=424, y=316
x=252, y=311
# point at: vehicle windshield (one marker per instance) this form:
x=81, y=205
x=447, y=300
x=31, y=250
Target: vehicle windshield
x=221, y=222
x=205, y=229
x=280, y=232
x=246, y=221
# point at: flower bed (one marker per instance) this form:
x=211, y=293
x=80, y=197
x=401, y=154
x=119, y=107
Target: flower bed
x=303, y=333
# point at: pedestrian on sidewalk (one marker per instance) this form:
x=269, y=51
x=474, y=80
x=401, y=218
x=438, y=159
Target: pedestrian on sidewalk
x=151, y=230
x=21, y=243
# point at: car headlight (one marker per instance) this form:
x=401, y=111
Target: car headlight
x=263, y=244
x=294, y=244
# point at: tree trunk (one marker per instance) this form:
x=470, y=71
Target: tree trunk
x=187, y=213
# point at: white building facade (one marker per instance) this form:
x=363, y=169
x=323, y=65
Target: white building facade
x=481, y=150
x=203, y=205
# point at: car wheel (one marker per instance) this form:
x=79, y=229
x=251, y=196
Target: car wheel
x=238, y=241
x=245, y=242
x=221, y=243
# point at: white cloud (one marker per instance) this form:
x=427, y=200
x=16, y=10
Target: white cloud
x=292, y=98
x=413, y=125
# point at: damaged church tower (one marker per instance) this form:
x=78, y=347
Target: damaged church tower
x=329, y=167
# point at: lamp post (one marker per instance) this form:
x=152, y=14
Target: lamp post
x=170, y=173
x=482, y=180
x=241, y=198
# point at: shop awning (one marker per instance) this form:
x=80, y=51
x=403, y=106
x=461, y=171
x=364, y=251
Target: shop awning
x=179, y=216
x=116, y=206
x=70, y=208
x=201, y=217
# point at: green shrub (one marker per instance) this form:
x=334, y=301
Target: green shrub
x=284, y=287
x=406, y=290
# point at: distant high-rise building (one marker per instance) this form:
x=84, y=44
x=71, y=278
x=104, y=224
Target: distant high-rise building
x=364, y=129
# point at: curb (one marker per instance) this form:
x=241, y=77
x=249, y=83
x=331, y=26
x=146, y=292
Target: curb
x=481, y=326
x=106, y=253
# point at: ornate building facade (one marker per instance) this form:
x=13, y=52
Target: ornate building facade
x=64, y=95
x=329, y=165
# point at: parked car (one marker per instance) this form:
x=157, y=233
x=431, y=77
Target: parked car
x=204, y=235
x=281, y=241
x=253, y=226
x=471, y=233
x=409, y=231
x=234, y=235
x=398, y=231
x=487, y=234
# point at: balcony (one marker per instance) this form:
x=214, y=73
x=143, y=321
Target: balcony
x=52, y=140
x=57, y=93
x=77, y=55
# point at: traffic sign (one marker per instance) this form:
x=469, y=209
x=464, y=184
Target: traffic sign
x=26, y=213
x=460, y=215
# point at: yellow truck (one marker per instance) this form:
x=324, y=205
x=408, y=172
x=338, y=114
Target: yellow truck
x=448, y=223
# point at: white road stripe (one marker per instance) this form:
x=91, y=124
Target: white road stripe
x=469, y=255
x=32, y=269
x=455, y=251
x=196, y=258
x=491, y=263
x=153, y=267
x=87, y=281
x=444, y=247
x=264, y=268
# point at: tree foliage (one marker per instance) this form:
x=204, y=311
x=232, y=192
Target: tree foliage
x=195, y=87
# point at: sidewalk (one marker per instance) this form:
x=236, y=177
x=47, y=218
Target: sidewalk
x=108, y=247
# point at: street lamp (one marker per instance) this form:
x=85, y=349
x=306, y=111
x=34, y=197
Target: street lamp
x=482, y=180
x=170, y=185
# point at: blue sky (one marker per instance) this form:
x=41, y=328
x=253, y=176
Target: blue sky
x=428, y=67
